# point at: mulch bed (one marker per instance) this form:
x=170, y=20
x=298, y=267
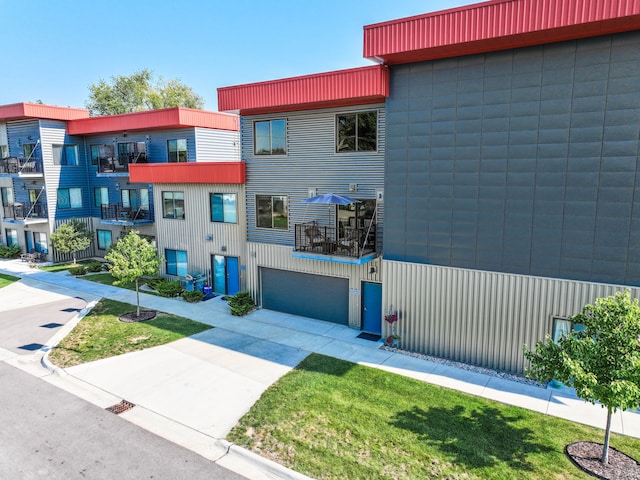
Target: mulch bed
x=131, y=317
x=586, y=455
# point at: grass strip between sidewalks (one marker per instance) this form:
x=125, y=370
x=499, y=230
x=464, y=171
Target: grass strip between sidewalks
x=100, y=334
x=7, y=279
x=332, y=419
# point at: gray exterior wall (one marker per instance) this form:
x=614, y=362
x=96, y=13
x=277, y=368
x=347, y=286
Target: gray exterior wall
x=310, y=162
x=522, y=161
x=217, y=145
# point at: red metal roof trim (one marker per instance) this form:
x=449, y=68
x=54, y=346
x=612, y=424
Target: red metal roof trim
x=354, y=86
x=177, y=117
x=192, y=172
x=23, y=111
x=496, y=25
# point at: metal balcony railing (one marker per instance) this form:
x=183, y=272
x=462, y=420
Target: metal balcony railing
x=26, y=211
x=15, y=165
x=342, y=241
x=120, y=164
x=116, y=212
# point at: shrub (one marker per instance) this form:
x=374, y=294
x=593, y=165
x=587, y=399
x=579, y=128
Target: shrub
x=154, y=282
x=79, y=270
x=170, y=289
x=94, y=266
x=11, y=251
x=241, y=304
x=192, y=296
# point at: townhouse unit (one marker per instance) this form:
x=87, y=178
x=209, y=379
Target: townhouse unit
x=59, y=163
x=508, y=137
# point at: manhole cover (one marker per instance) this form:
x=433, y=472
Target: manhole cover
x=51, y=325
x=118, y=408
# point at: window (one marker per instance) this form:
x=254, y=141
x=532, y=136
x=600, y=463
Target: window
x=40, y=242
x=357, y=132
x=176, y=262
x=4, y=151
x=177, y=150
x=69, y=198
x=223, y=207
x=29, y=149
x=7, y=196
x=273, y=211
x=135, y=198
x=173, y=205
x=101, y=196
x=104, y=239
x=102, y=155
x=12, y=237
x=132, y=152
x=562, y=326
x=65, y=154
x=270, y=137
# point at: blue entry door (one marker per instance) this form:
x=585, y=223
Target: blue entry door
x=372, y=307
x=28, y=240
x=226, y=274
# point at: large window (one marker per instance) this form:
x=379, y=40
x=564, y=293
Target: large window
x=69, y=198
x=7, y=196
x=273, y=211
x=357, y=132
x=12, y=236
x=29, y=150
x=173, y=205
x=270, y=137
x=562, y=326
x=104, y=239
x=40, y=242
x=101, y=196
x=223, y=207
x=176, y=262
x=177, y=150
x=65, y=154
x=135, y=198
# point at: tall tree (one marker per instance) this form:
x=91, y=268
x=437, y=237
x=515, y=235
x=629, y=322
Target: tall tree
x=602, y=361
x=132, y=258
x=72, y=237
x=138, y=92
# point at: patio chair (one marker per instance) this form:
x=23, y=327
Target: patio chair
x=315, y=238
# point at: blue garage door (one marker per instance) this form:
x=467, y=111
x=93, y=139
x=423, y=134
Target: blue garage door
x=313, y=296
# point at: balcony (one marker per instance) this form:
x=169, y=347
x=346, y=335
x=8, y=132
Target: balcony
x=31, y=167
x=116, y=214
x=341, y=245
x=120, y=164
x=27, y=213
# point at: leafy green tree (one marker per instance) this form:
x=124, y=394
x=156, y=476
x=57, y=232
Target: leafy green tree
x=132, y=258
x=138, y=92
x=72, y=237
x=602, y=362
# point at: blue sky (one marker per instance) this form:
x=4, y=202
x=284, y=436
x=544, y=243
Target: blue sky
x=53, y=50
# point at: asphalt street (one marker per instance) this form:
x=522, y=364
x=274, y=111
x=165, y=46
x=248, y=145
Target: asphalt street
x=49, y=433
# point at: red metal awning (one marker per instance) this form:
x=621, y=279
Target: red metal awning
x=356, y=86
x=496, y=25
x=23, y=111
x=191, y=172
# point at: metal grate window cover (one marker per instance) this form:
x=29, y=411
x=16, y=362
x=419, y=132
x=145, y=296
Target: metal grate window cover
x=118, y=408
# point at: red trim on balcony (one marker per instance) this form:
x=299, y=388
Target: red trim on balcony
x=496, y=25
x=24, y=111
x=356, y=86
x=167, y=118
x=192, y=172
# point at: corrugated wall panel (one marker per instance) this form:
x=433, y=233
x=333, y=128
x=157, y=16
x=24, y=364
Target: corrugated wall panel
x=277, y=256
x=68, y=257
x=217, y=145
x=311, y=162
x=478, y=317
x=3, y=134
x=191, y=233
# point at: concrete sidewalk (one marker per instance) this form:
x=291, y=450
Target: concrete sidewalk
x=194, y=390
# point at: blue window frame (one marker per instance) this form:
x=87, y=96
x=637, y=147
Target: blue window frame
x=176, y=262
x=223, y=207
x=69, y=198
x=104, y=239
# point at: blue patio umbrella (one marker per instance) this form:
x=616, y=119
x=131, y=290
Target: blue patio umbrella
x=330, y=199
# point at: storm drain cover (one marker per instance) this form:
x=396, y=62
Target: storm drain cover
x=32, y=347
x=70, y=309
x=51, y=325
x=123, y=406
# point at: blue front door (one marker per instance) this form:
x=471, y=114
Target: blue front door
x=28, y=240
x=372, y=307
x=226, y=275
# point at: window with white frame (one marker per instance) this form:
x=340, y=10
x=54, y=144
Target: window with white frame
x=65, y=155
x=270, y=137
x=357, y=132
x=563, y=326
x=273, y=211
x=69, y=198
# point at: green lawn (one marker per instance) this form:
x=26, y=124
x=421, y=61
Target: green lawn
x=60, y=267
x=7, y=279
x=100, y=334
x=332, y=419
x=108, y=279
